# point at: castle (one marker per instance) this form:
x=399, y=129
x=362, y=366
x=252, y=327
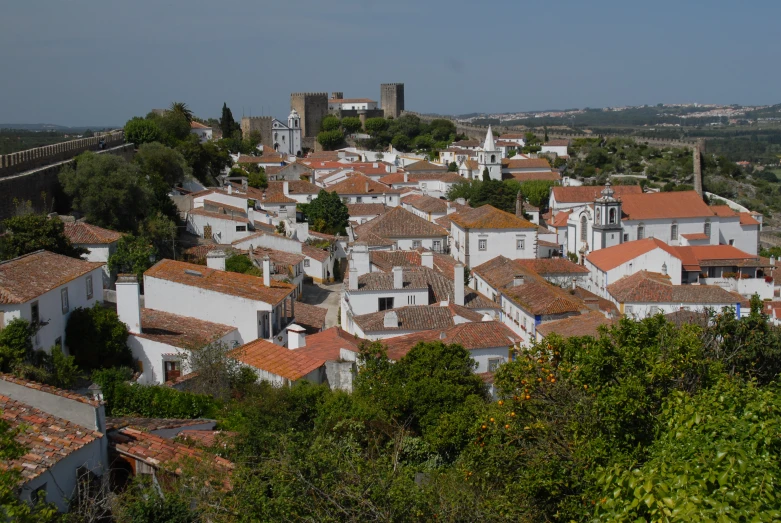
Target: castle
x=283, y=138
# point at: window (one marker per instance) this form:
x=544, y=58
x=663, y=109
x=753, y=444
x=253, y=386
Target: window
x=241, y=228
x=640, y=231
x=437, y=245
x=173, y=370
x=35, y=316
x=520, y=244
x=493, y=364
x=415, y=244
x=306, y=262
x=707, y=229
x=411, y=300
x=674, y=231
x=64, y=300
x=583, y=229
x=611, y=216
x=358, y=199
x=732, y=242
x=482, y=245
x=89, y=287
x=626, y=236
x=385, y=303
x=493, y=158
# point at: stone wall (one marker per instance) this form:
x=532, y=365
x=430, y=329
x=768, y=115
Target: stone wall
x=262, y=124
x=312, y=107
x=22, y=161
x=41, y=186
x=392, y=99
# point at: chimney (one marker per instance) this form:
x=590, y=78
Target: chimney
x=398, y=278
x=266, y=271
x=367, y=186
x=244, y=185
x=230, y=188
x=698, y=167
x=592, y=303
x=427, y=259
x=406, y=177
x=129, y=302
x=664, y=268
x=391, y=320
x=519, y=205
x=251, y=215
x=773, y=261
x=518, y=280
x=353, y=279
x=458, y=284
x=442, y=335
x=574, y=283
x=216, y=260
x=296, y=337
x=285, y=188
x=461, y=201
x=360, y=257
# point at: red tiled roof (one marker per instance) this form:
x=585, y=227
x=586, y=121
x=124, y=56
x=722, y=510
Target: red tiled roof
x=581, y=325
x=360, y=184
x=84, y=233
x=366, y=209
x=225, y=206
x=471, y=336
x=27, y=277
x=198, y=125
x=411, y=318
x=589, y=193
x=560, y=220
x=552, y=266
x=310, y=317
x=649, y=287
x=400, y=223
x=500, y=272
x=223, y=282
x=46, y=438
x=489, y=217
x=696, y=236
x=543, y=298
x=611, y=257
x=525, y=163
x=267, y=356
x=424, y=166
x=386, y=260
x=551, y=176
x=266, y=158
x=662, y=205
x=724, y=211
x=326, y=345
x=747, y=219
x=315, y=253
x=179, y=331
x=557, y=143
x=426, y=203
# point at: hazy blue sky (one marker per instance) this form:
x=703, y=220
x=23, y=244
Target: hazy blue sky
x=80, y=62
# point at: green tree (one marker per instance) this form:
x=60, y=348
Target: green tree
x=175, y=128
x=228, y=125
x=140, y=131
x=15, y=343
x=207, y=160
x=97, y=338
x=134, y=255
x=351, y=124
x=257, y=178
x=157, y=160
x=242, y=264
x=110, y=192
x=32, y=232
x=486, y=175
x=327, y=213
x=181, y=108
x=330, y=123
x=496, y=193
x=401, y=142
x=375, y=126
x=452, y=167
x=161, y=232
x=330, y=140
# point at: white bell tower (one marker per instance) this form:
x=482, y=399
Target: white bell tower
x=607, y=219
x=490, y=158
x=294, y=124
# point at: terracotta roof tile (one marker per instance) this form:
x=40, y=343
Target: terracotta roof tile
x=611, y=257
x=84, y=233
x=581, y=325
x=314, y=252
x=557, y=143
x=424, y=166
x=467, y=143
x=27, y=277
x=223, y=282
x=527, y=163
x=542, y=298
x=553, y=266
x=47, y=439
x=589, y=193
x=551, y=176
x=360, y=184
x=310, y=317
x=400, y=223
x=366, y=209
x=471, y=336
x=267, y=356
x=411, y=318
x=500, y=272
x=649, y=287
x=724, y=211
x=225, y=206
x=326, y=345
x=661, y=205
x=560, y=220
x=426, y=203
x=489, y=217
x=747, y=219
x=183, y=332
x=696, y=236
x=386, y=260
x=198, y=125
x=266, y=158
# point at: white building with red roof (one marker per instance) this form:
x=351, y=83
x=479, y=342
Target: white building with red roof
x=478, y=235
x=100, y=243
x=203, y=132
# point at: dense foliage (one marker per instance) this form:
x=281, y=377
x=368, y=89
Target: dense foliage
x=502, y=195
x=97, y=338
x=327, y=213
x=409, y=133
x=32, y=232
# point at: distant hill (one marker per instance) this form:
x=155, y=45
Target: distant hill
x=52, y=127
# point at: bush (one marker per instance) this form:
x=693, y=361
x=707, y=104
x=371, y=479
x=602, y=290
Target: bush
x=97, y=338
x=15, y=343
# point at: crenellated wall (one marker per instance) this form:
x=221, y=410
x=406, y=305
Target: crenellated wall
x=30, y=159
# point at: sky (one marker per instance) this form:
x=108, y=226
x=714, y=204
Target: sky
x=79, y=62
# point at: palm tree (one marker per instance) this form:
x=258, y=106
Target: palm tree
x=181, y=108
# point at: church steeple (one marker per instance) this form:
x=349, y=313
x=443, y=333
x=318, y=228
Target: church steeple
x=490, y=159
x=489, y=144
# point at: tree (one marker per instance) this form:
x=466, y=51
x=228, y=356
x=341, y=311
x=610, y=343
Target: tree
x=110, y=192
x=327, y=213
x=330, y=140
x=496, y=193
x=15, y=343
x=351, y=124
x=33, y=232
x=242, y=264
x=97, y=338
x=257, y=178
x=157, y=160
x=452, y=167
x=401, y=142
x=140, y=131
x=134, y=255
x=375, y=126
x=486, y=175
x=161, y=232
x=182, y=109
x=330, y=123
x=207, y=160
x=227, y=124
x=175, y=128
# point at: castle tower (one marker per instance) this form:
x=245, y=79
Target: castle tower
x=392, y=99
x=490, y=158
x=607, y=219
x=312, y=108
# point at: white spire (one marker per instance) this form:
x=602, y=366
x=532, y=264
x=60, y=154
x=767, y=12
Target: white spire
x=489, y=140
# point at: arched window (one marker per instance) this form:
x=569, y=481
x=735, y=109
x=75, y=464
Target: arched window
x=707, y=228
x=583, y=229
x=674, y=231
x=599, y=215
x=611, y=216
x=640, y=231
x=493, y=158
x=276, y=136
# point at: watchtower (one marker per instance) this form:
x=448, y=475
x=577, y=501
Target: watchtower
x=261, y=124
x=312, y=107
x=392, y=99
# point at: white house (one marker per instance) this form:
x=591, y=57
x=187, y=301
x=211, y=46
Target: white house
x=161, y=341
x=100, y=243
x=63, y=436
x=259, y=307
x=203, y=132
x=569, y=197
x=429, y=207
x=404, y=229
x=363, y=212
x=558, y=147
x=44, y=288
x=517, y=138
x=219, y=227
x=279, y=365
x=362, y=189
x=287, y=138
x=481, y=234
x=351, y=104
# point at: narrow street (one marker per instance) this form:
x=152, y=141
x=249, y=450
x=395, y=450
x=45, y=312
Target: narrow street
x=326, y=296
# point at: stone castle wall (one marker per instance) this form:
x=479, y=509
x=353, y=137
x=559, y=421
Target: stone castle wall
x=392, y=99
x=22, y=161
x=262, y=124
x=312, y=107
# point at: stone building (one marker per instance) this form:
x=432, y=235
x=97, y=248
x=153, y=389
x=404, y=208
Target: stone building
x=312, y=107
x=392, y=99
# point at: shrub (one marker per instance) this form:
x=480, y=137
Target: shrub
x=97, y=338
x=15, y=343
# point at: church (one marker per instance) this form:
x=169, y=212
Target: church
x=286, y=139
x=489, y=158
